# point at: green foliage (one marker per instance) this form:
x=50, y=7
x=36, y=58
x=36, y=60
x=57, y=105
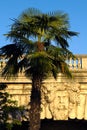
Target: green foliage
x=10, y=113
x=9, y=126
x=6, y=104
x=40, y=44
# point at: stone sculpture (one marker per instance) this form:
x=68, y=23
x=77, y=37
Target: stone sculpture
x=59, y=100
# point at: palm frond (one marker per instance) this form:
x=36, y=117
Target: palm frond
x=39, y=44
x=62, y=42
x=11, y=68
x=31, y=12
x=9, y=50
x=70, y=33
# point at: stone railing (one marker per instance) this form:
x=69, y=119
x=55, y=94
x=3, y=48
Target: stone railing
x=80, y=62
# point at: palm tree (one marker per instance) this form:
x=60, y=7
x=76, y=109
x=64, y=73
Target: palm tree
x=40, y=48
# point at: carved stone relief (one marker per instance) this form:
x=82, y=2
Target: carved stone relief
x=59, y=100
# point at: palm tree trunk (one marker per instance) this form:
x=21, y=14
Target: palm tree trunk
x=35, y=104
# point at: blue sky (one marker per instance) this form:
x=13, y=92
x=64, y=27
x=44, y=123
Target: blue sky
x=76, y=9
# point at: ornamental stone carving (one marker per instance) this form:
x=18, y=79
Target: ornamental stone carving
x=59, y=100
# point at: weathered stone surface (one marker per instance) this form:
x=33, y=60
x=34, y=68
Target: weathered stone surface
x=62, y=98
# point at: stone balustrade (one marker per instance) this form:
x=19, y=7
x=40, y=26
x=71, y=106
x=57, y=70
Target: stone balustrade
x=80, y=62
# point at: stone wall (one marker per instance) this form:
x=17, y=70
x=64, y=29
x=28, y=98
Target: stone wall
x=62, y=98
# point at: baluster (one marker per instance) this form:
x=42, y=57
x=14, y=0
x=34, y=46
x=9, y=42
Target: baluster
x=70, y=63
x=79, y=63
x=74, y=63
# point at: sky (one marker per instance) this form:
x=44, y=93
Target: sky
x=76, y=10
